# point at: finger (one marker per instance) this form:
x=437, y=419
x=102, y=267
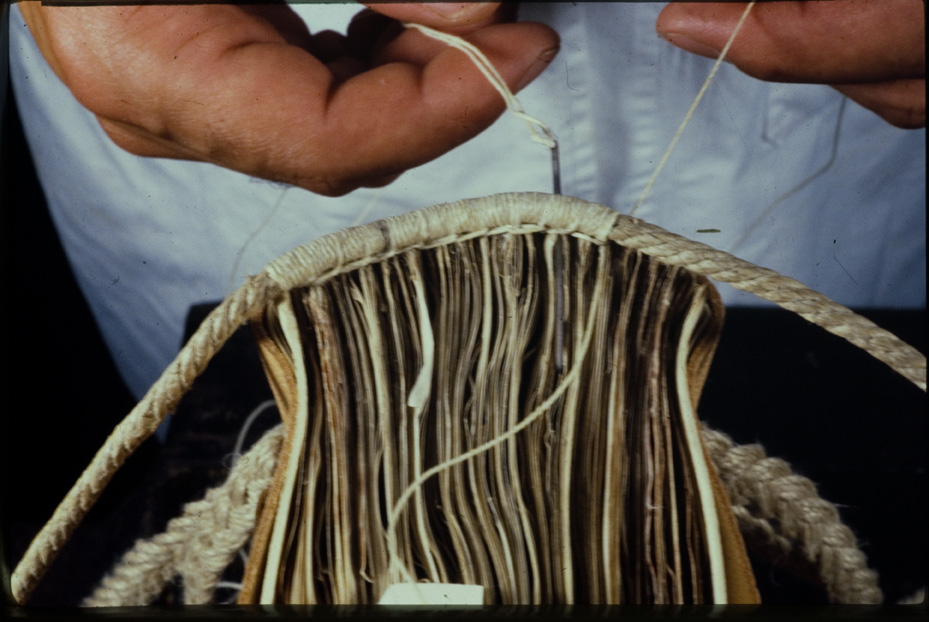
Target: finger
x=407, y=46
x=455, y=17
x=284, y=20
x=332, y=138
x=900, y=102
x=368, y=30
x=842, y=41
x=140, y=142
x=431, y=109
x=241, y=97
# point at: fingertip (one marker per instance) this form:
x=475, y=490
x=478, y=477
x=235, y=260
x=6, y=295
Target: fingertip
x=519, y=52
x=537, y=66
x=689, y=44
x=697, y=28
x=455, y=17
x=675, y=19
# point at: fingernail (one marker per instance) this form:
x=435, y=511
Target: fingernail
x=549, y=54
x=537, y=67
x=689, y=44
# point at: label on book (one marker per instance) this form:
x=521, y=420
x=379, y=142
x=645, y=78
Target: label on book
x=433, y=594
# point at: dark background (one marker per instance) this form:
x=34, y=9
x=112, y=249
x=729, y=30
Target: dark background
x=839, y=417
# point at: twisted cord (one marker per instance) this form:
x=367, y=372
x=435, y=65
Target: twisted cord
x=781, y=510
x=778, y=511
x=537, y=212
x=422, y=229
x=201, y=543
x=160, y=400
x=784, y=291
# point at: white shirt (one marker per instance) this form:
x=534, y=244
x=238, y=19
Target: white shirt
x=794, y=177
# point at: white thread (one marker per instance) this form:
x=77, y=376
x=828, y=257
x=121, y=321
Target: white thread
x=230, y=459
x=240, y=441
x=542, y=134
x=368, y=208
x=251, y=237
x=229, y=585
x=690, y=111
x=539, y=131
x=395, y=568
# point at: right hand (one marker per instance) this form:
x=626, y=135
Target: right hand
x=872, y=51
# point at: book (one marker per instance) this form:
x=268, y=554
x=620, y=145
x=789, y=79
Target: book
x=596, y=354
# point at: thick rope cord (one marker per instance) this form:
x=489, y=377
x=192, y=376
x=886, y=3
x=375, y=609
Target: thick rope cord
x=766, y=493
x=779, y=513
x=431, y=227
x=249, y=301
x=784, y=291
x=201, y=543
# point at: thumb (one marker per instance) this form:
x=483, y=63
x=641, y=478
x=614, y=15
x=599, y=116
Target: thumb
x=455, y=17
x=836, y=42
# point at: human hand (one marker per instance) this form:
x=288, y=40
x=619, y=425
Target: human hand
x=248, y=87
x=873, y=51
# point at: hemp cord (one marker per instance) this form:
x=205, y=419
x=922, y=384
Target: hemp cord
x=824, y=540
x=199, y=544
x=780, y=515
x=246, y=302
x=349, y=249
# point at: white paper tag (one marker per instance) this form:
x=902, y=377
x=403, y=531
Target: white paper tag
x=432, y=594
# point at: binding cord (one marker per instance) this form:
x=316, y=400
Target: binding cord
x=769, y=517
x=780, y=514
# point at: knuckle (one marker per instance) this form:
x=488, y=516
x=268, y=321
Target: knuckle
x=904, y=107
x=907, y=119
x=328, y=186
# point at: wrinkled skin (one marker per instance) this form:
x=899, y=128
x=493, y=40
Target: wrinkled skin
x=873, y=51
x=249, y=88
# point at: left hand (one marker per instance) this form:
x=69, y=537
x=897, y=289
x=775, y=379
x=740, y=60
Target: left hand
x=873, y=51
x=250, y=89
